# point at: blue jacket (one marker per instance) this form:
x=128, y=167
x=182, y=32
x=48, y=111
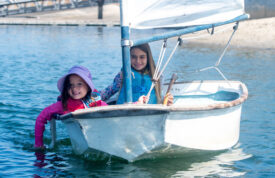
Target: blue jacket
x=141, y=84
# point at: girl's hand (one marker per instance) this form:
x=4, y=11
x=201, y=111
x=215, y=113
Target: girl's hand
x=169, y=98
x=142, y=100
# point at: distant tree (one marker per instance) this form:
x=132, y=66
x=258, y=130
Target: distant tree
x=100, y=9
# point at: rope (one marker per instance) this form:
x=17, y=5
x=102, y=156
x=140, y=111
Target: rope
x=220, y=58
x=160, y=59
x=228, y=43
x=217, y=69
x=161, y=56
x=157, y=74
x=168, y=60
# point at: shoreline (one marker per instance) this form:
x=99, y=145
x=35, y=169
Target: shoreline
x=251, y=34
x=255, y=33
x=86, y=16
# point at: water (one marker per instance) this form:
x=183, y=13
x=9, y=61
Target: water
x=33, y=58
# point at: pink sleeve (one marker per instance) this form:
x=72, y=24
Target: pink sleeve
x=44, y=116
x=103, y=103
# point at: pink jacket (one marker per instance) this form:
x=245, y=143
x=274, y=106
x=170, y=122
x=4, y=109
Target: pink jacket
x=56, y=108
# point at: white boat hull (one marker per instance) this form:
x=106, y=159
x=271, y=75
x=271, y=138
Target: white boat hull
x=135, y=132
x=202, y=130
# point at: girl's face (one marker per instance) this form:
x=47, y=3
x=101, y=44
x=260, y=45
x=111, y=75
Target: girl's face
x=78, y=88
x=138, y=59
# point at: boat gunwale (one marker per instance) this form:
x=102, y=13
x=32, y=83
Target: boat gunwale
x=159, y=108
x=238, y=101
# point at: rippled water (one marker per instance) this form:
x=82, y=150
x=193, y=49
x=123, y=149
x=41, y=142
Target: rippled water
x=32, y=58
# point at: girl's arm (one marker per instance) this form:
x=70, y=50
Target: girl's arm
x=43, y=117
x=113, y=88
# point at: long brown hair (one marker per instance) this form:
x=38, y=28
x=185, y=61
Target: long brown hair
x=150, y=68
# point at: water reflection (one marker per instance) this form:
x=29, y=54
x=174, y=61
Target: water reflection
x=220, y=165
x=40, y=159
x=50, y=164
x=216, y=163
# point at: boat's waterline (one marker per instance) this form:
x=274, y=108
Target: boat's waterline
x=132, y=131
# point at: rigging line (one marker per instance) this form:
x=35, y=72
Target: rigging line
x=168, y=60
x=227, y=45
x=220, y=73
x=220, y=58
x=161, y=56
x=163, y=68
x=216, y=68
x=212, y=31
x=149, y=92
x=206, y=68
x=160, y=59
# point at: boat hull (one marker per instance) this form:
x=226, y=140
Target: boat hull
x=122, y=136
x=134, y=132
x=202, y=130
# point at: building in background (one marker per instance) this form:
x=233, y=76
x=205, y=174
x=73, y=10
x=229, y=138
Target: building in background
x=260, y=8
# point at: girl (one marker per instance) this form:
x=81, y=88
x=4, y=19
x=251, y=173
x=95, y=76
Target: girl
x=143, y=68
x=77, y=92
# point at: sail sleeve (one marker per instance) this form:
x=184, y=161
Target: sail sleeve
x=146, y=14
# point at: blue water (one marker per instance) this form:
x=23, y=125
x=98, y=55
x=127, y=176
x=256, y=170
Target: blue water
x=32, y=58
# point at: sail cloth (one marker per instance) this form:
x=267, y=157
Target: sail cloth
x=146, y=14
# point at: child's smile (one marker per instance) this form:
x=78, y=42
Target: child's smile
x=138, y=59
x=78, y=88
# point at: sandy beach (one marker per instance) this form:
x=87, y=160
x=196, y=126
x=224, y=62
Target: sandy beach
x=258, y=33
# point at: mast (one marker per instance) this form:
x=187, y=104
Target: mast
x=125, y=45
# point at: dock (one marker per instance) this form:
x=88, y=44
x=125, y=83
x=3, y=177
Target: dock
x=85, y=16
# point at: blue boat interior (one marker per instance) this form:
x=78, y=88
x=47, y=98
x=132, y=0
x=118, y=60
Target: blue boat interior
x=218, y=96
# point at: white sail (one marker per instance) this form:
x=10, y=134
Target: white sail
x=144, y=14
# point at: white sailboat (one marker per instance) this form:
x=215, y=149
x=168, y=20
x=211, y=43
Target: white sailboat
x=205, y=114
